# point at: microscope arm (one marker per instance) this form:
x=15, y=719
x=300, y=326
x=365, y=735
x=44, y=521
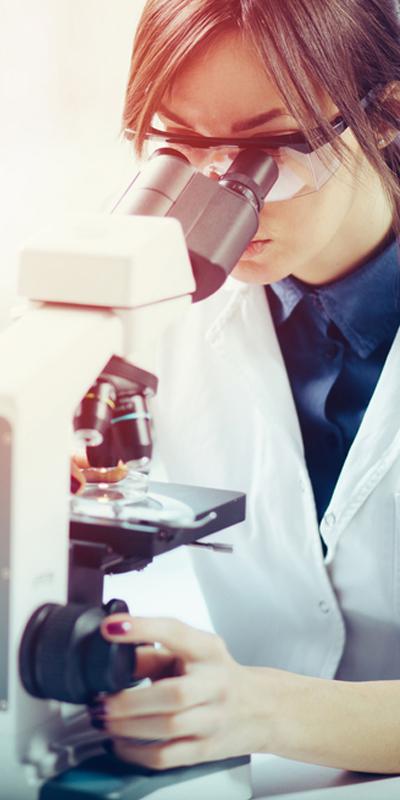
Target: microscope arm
x=49, y=358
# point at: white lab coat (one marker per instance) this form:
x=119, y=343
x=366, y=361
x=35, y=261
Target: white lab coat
x=225, y=417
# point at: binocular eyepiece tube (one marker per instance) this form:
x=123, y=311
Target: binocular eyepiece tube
x=218, y=218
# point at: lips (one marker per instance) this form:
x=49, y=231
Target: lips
x=256, y=246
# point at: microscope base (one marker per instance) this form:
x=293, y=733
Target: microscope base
x=105, y=777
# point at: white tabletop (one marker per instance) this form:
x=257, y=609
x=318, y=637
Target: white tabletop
x=290, y=780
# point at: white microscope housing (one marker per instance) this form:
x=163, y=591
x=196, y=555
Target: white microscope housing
x=101, y=286
x=97, y=287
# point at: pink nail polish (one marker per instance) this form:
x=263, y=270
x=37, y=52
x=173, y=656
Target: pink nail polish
x=75, y=484
x=118, y=628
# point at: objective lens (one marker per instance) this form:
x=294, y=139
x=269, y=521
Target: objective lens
x=94, y=414
x=132, y=429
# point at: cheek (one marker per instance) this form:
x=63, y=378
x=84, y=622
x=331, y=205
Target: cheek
x=312, y=220
x=300, y=229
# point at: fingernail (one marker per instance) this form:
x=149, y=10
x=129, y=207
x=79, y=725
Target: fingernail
x=74, y=486
x=118, y=628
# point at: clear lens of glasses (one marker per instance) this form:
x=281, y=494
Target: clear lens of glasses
x=299, y=173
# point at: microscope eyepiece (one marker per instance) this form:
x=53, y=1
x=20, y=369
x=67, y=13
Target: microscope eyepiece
x=251, y=174
x=169, y=151
x=218, y=218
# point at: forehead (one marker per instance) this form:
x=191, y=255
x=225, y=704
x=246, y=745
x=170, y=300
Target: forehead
x=221, y=83
x=224, y=82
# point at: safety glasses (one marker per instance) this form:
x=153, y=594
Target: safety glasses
x=302, y=169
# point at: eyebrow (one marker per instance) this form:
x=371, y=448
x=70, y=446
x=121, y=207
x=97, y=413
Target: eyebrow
x=242, y=125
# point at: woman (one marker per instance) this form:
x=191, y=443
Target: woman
x=284, y=385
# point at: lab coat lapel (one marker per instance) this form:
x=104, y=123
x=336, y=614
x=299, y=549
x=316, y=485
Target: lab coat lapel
x=372, y=453
x=244, y=334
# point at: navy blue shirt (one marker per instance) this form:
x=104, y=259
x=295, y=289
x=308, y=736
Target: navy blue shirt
x=335, y=339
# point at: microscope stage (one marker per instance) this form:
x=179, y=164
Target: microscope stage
x=186, y=514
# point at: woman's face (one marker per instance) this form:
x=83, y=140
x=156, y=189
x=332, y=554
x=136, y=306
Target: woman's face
x=316, y=237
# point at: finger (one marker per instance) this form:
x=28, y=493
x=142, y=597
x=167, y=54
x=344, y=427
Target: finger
x=179, y=753
x=200, y=721
x=157, y=663
x=189, y=643
x=165, y=696
x=78, y=480
x=80, y=460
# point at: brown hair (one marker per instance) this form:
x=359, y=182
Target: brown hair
x=346, y=47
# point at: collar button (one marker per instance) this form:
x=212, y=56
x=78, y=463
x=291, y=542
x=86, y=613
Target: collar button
x=329, y=520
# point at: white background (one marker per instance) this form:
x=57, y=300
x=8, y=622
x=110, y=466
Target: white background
x=63, y=72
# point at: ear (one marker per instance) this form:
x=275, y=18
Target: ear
x=389, y=98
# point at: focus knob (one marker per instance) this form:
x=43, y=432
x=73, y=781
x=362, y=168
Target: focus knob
x=63, y=655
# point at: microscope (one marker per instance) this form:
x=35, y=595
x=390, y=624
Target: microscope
x=101, y=291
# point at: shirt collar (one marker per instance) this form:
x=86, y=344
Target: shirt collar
x=364, y=305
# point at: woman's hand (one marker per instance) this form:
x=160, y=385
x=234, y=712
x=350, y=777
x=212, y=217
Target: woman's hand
x=201, y=706
x=78, y=479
